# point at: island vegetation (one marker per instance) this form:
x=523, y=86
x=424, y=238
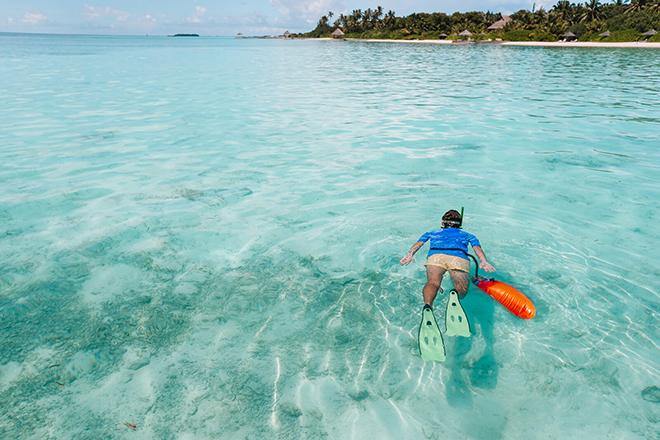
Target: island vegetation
x=590, y=21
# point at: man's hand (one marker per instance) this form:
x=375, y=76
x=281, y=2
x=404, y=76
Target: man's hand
x=485, y=265
x=411, y=253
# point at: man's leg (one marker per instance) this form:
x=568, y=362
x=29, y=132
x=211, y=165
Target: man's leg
x=434, y=278
x=461, y=281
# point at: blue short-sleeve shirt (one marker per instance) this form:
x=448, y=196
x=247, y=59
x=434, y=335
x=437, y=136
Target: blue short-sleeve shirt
x=442, y=239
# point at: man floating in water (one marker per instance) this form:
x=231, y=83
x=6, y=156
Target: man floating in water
x=448, y=252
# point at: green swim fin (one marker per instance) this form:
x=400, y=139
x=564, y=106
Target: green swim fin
x=431, y=345
x=455, y=318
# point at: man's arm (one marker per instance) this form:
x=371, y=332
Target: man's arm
x=411, y=253
x=485, y=265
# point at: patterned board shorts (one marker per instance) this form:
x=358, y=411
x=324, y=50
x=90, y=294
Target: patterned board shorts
x=448, y=262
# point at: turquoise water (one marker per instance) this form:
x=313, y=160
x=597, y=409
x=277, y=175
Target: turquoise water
x=201, y=237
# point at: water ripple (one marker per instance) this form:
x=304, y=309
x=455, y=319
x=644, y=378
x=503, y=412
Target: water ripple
x=202, y=238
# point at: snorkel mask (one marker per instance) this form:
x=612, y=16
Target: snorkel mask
x=452, y=219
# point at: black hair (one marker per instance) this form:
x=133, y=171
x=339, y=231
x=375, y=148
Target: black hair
x=452, y=219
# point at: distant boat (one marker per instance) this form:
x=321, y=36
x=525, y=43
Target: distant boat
x=185, y=35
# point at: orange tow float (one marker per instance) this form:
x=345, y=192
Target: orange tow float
x=513, y=299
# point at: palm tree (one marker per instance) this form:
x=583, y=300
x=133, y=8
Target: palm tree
x=378, y=13
x=390, y=19
x=638, y=5
x=564, y=10
x=592, y=12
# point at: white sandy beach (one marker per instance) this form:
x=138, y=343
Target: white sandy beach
x=635, y=44
x=627, y=44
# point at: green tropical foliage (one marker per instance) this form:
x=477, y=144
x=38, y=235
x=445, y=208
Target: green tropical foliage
x=625, y=19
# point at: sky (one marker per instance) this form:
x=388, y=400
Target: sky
x=210, y=17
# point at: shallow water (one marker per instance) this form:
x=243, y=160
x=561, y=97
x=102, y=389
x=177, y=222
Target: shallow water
x=201, y=237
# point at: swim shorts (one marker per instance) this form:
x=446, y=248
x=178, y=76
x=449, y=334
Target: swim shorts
x=448, y=262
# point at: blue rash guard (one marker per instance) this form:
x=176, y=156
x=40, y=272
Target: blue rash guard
x=449, y=238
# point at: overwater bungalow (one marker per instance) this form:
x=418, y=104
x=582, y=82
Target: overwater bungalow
x=338, y=33
x=499, y=24
x=569, y=36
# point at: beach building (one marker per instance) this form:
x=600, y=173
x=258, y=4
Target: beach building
x=465, y=35
x=286, y=34
x=569, y=36
x=499, y=24
x=442, y=36
x=338, y=33
x=605, y=34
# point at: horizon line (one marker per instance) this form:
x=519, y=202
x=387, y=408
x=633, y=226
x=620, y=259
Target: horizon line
x=112, y=35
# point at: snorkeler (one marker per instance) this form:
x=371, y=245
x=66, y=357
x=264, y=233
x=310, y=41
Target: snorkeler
x=448, y=252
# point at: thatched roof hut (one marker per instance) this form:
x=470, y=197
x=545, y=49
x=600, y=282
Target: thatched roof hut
x=500, y=24
x=465, y=35
x=604, y=34
x=338, y=33
x=649, y=33
x=442, y=36
x=569, y=36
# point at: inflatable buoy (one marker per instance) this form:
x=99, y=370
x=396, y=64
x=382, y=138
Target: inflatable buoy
x=510, y=297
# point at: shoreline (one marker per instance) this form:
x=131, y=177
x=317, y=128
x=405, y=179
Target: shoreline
x=622, y=44
x=385, y=40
